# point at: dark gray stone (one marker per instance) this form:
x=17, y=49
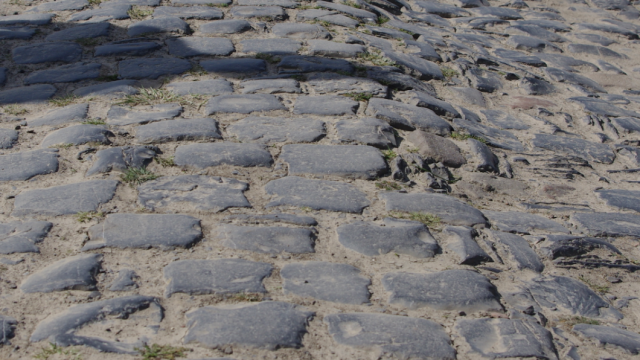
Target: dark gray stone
x=152, y=68
x=483, y=158
x=298, y=64
x=113, y=89
x=124, y=281
x=367, y=131
x=553, y=25
x=503, y=120
x=447, y=208
x=272, y=218
x=423, y=49
x=8, y=326
x=65, y=199
x=275, y=13
x=191, y=12
x=598, y=39
x=443, y=10
x=312, y=14
x=494, y=137
x=47, y=52
x=24, y=165
x=433, y=149
x=283, y=3
x=532, y=44
x=196, y=192
x=200, y=46
x=484, y=80
x=340, y=20
x=268, y=130
x=201, y=87
x=62, y=5
x=459, y=290
x=460, y=241
x=519, y=57
x=270, y=86
x=325, y=105
x=602, y=107
x=267, y=239
x=608, y=335
x=67, y=114
x=573, y=246
x=26, y=19
x=222, y=153
x=399, y=336
x=499, y=12
x=271, y=46
x=334, y=49
x=22, y=237
x=609, y=28
x=430, y=19
x=243, y=104
x=397, y=236
x=267, y=325
x=607, y=67
x=22, y=33
x=316, y=194
x=325, y=83
x=64, y=74
x=158, y=25
x=129, y=48
x=144, y=231
x=121, y=159
x=223, y=276
x=357, y=13
x=611, y=4
x=78, y=135
x=80, y=32
x=106, y=11
x=595, y=50
x=566, y=63
x=122, y=116
x=535, y=31
x=505, y=338
x=407, y=117
x=468, y=95
x=622, y=199
x=608, y=224
x=73, y=273
x=178, y=130
x=587, y=150
x=426, y=70
x=572, y=78
x=225, y=27
x=243, y=66
x=523, y=223
x=518, y=250
x=441, y=108
x=60, y=329
x=533, y=86
x=201, y=2
x=334, y=282
x=300, y=31
x=388, y=33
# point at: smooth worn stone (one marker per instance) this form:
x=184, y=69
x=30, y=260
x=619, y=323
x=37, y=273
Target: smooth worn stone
x=519, y=57
x=269, y=130
x=243, y=66
x=223, y=153
x=503, y=120
x=144, y=231
x=272, y=218
x=78, y=135
x=483, y=159
x=533, y=86
x=602, y=107
x=595, y=38
x=47, y=52
x=525, y=103
x=334, y=49
x=201, y=87
x=268, y=239
x=534, y=31
x=566, y=63
x=399, y=336
x=468, y=95
x=26, y=19
x=609, y=335
x=484, y=80
x=573, y=246
x=121, y=159
x=340, y=20
x=152, y=68
x=532, y=44
x=441, y=108
x=304, y=64
x=243, y=104
x=443, y=10
x=65, y=199
x=425, y=69
x=270, y=86
x=22, y=33
x=312, y=14
x=61, y=328
x=113, y=89
x=64, y=74
x=274, y=13
x=618, y=198
x=350, y=161
x=202, y=2
x=327, y=281
x=62, y=5
x=572, y=78
x=357, y=13
x=495, y=137
x=407, y=117
x=519, y=251
x=423, y=50
x=448, y=209
x=225, y=27
x=367, y=131
x=587, y=150
x=300, y=31
x=316, y=194
x=196, y=46
x=553, y=25
x=196, y=192
x=124, y=281
x=499, y=12
x=608, y=224
x=222, y=276
x=327, y=83
x=271, y=46
x=325, y=105
x=67, y=114
x=24, y=165
x=266, y=325
x=22, y=237
x=178, y=130
x=73, y=273
x=460, y=241
x=595, y=50
x=459, y=290
x=435, y=149
x=87, y=31
x=398, y=236
x=523, y=223
x=609, y=28
x=122, y=116
x=8, y=326
x=283, y=3
x=158, y=25
x=505, y=338
x=106, y=11
x=607, y=67
x=128, y=48
x=192, y=12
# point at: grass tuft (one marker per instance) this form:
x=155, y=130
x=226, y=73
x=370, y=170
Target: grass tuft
x=95, y=2
x=14, y=110
x=150, y=96
x=61, y=146
x=63, y=100
x=85, y=216
x=461, y=136
x=138, y=14
x=94, y=122
x=381, y=20
x=376, y=58
x=352, y=4
x=448, y=72
x=574, y=320
x=71, y=353
x=218, y=5
x=425, y=218
x=244, y=297
x=389, y=154
x=594, y=287
x=388, y=185
x=359, y=96
x=158, y=352
x=136, y=176
x=165, y=162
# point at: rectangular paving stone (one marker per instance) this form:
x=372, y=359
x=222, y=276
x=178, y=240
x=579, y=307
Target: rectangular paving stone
x=270, y=46
x=200, y=46
x=267, y=239
x=47, y=52
x=223, y=153
x=243, y=104
x=325, y=105
x=202, y=87
x=178, y=130
x=24, y=165
x=22, y=237
x=334, y=282
x=268, y=130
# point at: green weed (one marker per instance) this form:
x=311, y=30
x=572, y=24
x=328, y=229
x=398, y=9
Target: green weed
x=14, y=110
x=157, y=352
x=165, y=162
x=461, y=137
x=388, y=185
x=63, y=100
x=218, y=5
x=136, y=176
x=389, y=154
x=448, y=72
x=87, y=41
x=425, y=218
x=376, y=58
x=352, y=4
x=113, y=77
x=85, y=216
x=54, y=349
x=593, y=286
x=137, y=14
x=94, y=122
x=359, y=96
x=149, y=96
x=381, y=20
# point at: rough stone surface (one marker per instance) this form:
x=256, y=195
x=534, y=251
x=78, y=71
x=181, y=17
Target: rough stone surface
x=22, y=166
x=8, y=138
x=188, y=47
x=608, y=224
x=77, y=135
x=608, y=335
x=222, y=153
x=622, y=199
x=334, y=282
x=121, y=116
x=243, y=104
x=59, y=117
x=64, y=74
x=124, y=281
x=268, y=240
x=114, y=89
x=8, y=326
x=434, y=148
x=204, y=87
x=523, y=223
x=121, y=159
x=158, y=25
x=73, y=273
x=152, y=68
x=204, y=129
x=21, y=237
x=448, y=209
x=587, y=150
x=517, y=249
x=325, y=105
x=47, y=52
x=407, y=117
x=367, y=131
x=268, y=130
x=460, y=241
